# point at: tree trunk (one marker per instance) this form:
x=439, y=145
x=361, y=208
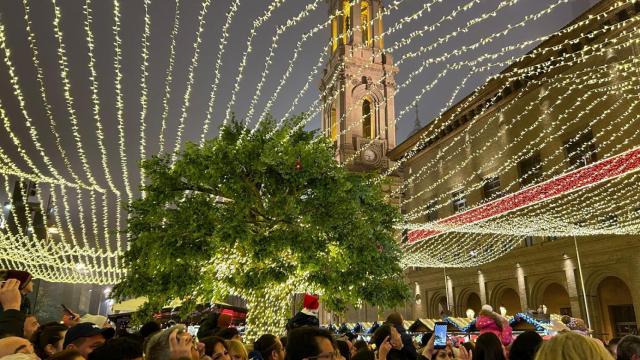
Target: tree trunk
x=269, y=311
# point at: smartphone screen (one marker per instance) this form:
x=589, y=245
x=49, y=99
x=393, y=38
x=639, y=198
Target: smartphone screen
x=440, y=335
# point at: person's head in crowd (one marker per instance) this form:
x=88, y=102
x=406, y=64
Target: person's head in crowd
x=396, y=320
x=48, y=339
x=216, y=347
x=69, y=354
x=122, y=348
x=149, y=329
x=351, y=337
x=308, y=342
x=268, y=347
x=612, y=345
x=30, y=326
x=158, y=346
x=283, y=341
x=15, y=345
x=364, y=354
x=444, y=354
x=629, y=348
x=360, y=345
x=229, y=333
x=224, y=320
x=488, y=347
x=525, y=346
x=85, y=337
x=572, y=346
x=237, y=351
x=209, y=325
x=387, y=332
x=344, y=348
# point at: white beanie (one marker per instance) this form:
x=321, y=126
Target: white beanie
x=487, y=307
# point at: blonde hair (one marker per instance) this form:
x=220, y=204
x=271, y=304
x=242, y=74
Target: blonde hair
x=572, y=346
x=237, y=347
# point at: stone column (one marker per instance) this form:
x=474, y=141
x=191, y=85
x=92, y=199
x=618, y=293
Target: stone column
x=482, y=287
x=572, y=288
x=522, y=288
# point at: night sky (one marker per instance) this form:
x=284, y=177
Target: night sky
x=162, y=14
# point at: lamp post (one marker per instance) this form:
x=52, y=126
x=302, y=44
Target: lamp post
x=584, y=292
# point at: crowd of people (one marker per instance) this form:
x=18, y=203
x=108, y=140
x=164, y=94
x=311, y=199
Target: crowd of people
x=91, y=338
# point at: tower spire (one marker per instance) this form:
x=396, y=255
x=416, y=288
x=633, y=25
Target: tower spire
x=416, y=125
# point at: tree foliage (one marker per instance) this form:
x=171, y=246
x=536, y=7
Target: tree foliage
x=261, y=215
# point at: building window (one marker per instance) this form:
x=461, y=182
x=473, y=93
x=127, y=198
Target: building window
x=367, y=126
x=581, y=150
x=334, y=123
x=530, y=170
x=459, y=201
x=491, y=188
x=431, y=212
x=364, y=22
x=346, y=24
x=334, y=33
x=528, y=241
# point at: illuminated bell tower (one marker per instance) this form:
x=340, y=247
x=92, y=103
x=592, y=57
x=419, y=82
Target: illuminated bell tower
x=358, y=86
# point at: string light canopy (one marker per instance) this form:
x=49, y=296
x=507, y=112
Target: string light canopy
x=82, y=174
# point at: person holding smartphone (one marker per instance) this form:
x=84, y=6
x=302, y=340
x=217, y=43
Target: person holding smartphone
x=448, y=352
x=388, y=343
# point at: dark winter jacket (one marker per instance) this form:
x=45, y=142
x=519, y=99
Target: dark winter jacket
x=409, y=351
x=301, y=319
x=12, y=323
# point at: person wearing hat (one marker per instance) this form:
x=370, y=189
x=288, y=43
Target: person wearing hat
x=85, y=337
x=308, y=316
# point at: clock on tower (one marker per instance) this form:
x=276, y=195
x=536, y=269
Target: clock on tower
x=358, y=86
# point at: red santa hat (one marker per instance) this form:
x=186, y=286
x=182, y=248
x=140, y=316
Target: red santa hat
x=311, y=302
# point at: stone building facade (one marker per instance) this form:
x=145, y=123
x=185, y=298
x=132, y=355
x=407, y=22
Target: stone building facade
x=559, y=130
x=561, y=116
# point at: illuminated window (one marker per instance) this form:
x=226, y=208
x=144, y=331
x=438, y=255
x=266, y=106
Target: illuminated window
x=346, y=24
x=334, y=33
x=367, y=128
x=334, y=123
x=364, y=22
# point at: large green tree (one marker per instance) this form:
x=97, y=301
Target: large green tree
x=262, y=215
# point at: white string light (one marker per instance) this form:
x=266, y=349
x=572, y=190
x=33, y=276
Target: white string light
x=117, y=59
x=143, y=79
x=191, y=76
x=169, y=75
x=256, y=24
x=221, y=49
x=69, y=100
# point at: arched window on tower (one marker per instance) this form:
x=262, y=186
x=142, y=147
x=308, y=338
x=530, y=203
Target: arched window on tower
x=334, y=33
x=346, y=24
x=334, y=123
x=365, y=17
x=367, y=123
